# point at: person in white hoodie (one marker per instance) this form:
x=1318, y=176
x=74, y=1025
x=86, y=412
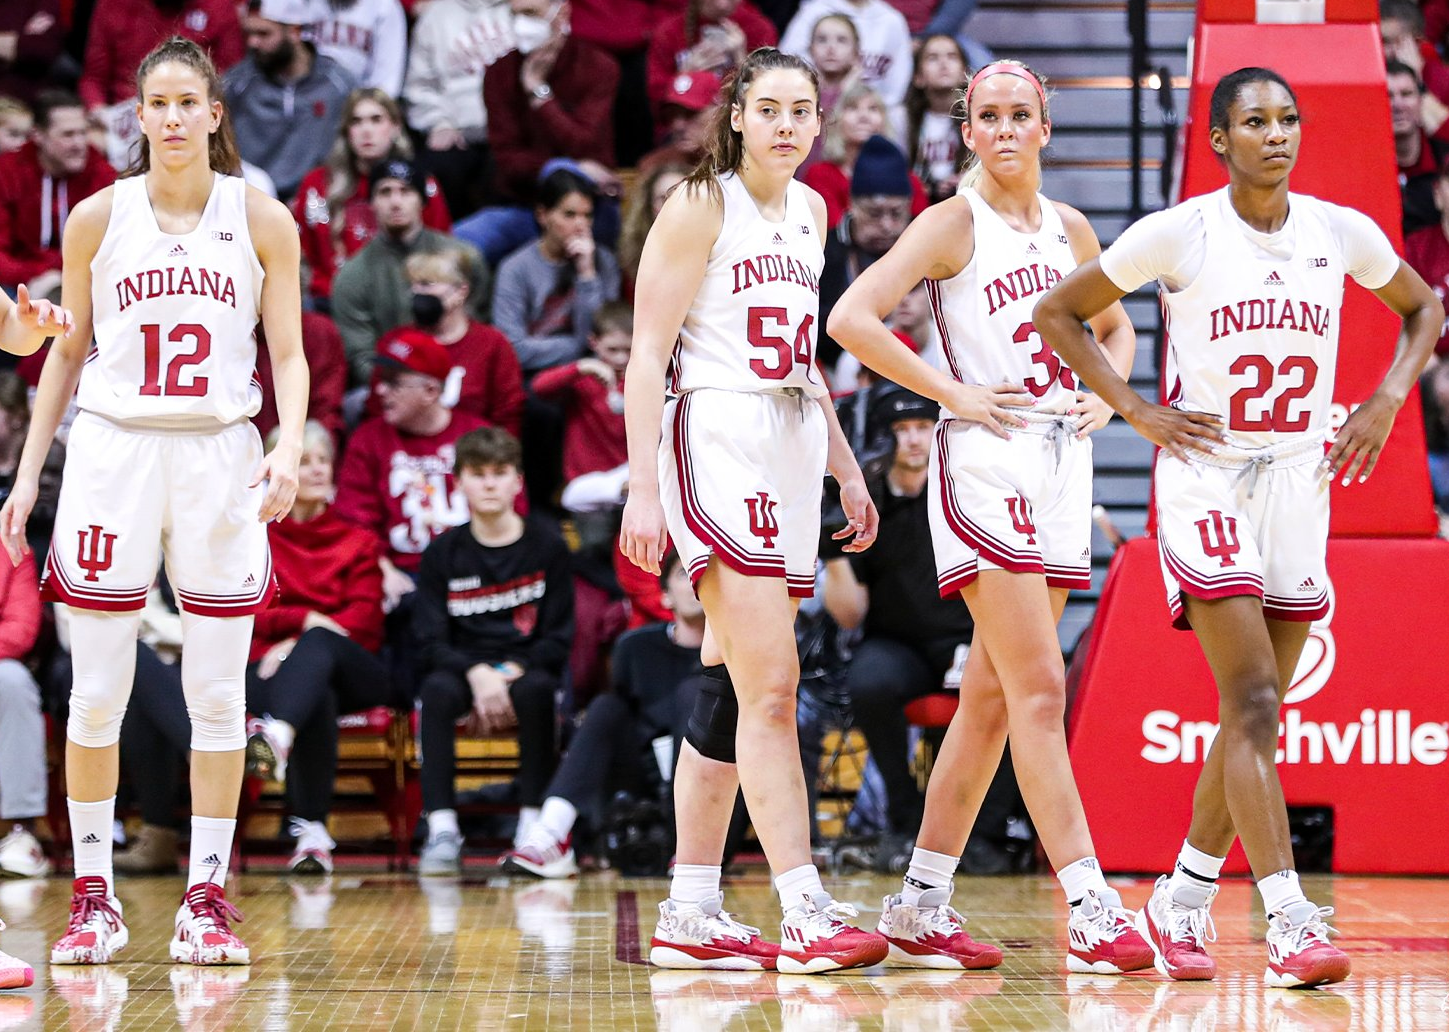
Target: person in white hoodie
x=885, y=41
x=454, y=41
x=369, y=38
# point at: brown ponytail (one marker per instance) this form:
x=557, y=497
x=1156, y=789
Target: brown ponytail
x=221, y=149
x=724, y=149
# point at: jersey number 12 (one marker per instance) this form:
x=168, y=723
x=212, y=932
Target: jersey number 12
x=195, y=386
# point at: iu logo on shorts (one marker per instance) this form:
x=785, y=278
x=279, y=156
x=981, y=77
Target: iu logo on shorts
x=1219, y=535
x=1021, y=518
x=762, y=518
x=94, y=553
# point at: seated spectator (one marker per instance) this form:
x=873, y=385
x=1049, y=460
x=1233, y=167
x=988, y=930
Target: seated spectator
x=881, y=193
x=1401, y=28
x=684, y=120
x=548, y=291
x=706, y=36
x=314, y=652
x=397, y=474
x=1417, y=155
x=1427, y=252
x=371, y=293
x=16, y=121
x=641, y=208
x=454, y=42
x=14, y=424
x=884, y=37
x=927, y=18
x=327, y=363
x=835, y=53
x=1434, y=388
x=653, y=681
x=332, y=206
x=22, y=725
x=285, y=100
x=39, y=186
x=367, y=38
x=32, y=34
x=933, y=132
x=591, y=393
x=860, y=118
x=121, y=33
x=552, y=97
x=494, y=619
x=485, y=379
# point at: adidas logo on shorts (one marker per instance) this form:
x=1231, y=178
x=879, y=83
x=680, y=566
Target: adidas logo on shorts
x=250, y=582
x=1308, y=585
x=1273, y=280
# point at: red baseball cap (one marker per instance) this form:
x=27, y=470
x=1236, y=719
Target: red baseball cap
x=415, y=351
x=693, y=91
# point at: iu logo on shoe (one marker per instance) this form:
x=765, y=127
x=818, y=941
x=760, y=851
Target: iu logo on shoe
x=94, y=553
x=762, y=518
x=1219, y=535
x=1021, y=518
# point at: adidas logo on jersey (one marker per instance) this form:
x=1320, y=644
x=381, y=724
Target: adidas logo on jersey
x=779, y=241
x=176, y=252
x=1032, y=249
x=1273, y=280
x=90, y=839
x=1308, y=585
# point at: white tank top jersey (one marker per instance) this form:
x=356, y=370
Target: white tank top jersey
x=754, y=321
x=983, y=313
x=1252, y=334
x=174, y=314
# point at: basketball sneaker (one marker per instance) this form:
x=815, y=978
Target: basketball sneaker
x=96, y=932
x=14, y=972
x=265, y=757
x=1101, y=938
x=542, y=858
x=815, y=938
x=313, y=854
x=21, y=856
x=1300, y=955
x=203, y=929
x=930, y=935
x=704, y=936
x=1178, y=934
x=442, y=855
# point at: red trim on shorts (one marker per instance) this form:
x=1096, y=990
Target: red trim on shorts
x=55, y=586
x=1208, y=587
x=1076, y=578
x=1304, y=610
x=799, y=586
x=998, y=552
x=957, y=578
x=240, y=604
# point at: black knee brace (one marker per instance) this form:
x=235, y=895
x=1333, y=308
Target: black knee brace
x=716, y=716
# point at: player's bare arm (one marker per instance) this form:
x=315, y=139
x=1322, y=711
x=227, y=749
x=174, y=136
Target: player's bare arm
x=27, y=323
x=670, y=272
x=1059, y=317
x=1356, y=451
x=274, y=235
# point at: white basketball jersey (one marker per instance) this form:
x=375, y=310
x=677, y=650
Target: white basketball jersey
x=984, y=312
x=1254, y=338
x=753, y=323
x=174, y=313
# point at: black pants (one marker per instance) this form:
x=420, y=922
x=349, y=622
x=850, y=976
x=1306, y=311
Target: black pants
x=882, y=677
x=325, y=675
x=446, y=697
x=464, y=174
x=155, y=737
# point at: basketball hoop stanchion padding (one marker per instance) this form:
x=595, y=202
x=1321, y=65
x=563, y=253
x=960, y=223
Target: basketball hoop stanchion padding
x=1366, y=727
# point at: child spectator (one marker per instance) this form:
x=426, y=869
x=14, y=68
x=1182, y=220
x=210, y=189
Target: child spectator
x=494, y=619
x=591, y=393
x=861, y=115
x=835, y=53
x=933, y=132
x=884, y=37
x=15, y=123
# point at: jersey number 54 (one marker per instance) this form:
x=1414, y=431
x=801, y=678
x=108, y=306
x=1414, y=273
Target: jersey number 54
x=786, y=355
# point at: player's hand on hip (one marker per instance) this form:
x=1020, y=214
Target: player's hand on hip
x=862, y=522
x=39, y=314
x=279, y=471
x=988, y=405
x=1092, y=413
x=1355, y=453
x=13, y=517
x=643, y=536
x=1179, y=433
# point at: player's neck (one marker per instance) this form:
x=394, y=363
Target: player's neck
x=1015, y=199
x=496, y=529
x=179, y=191
x=1263, y=207
x=767, y=189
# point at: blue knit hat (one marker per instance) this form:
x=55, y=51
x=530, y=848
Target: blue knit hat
x=881, y=170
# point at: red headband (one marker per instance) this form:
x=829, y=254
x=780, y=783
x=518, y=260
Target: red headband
x=1006, y=68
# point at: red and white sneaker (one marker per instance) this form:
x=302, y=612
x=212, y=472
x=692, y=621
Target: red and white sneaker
x=1101, y=938
x=930, y=935
x=96, y=932
x=814, y=939
x=203, y=929
x=265, y=757
x=1178, y=935
x=542, y=860
x=14, y=972
x=1300, y=956
x=702, y=936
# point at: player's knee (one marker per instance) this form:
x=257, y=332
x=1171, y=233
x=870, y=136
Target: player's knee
x=1044, y=706
x=714, y=721
x=1251, y=709
x=95, y=716
x=217, y=708
x=771, y=696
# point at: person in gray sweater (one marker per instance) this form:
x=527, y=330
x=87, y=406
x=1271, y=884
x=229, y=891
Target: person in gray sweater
x=547, y=292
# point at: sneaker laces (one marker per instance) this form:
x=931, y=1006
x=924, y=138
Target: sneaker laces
x=311, y=836
x=1106, y=922
x=1315, y=928
x=85, y=907
x=215, y=910
x=1191, y=924
x=943, y=918
x=822, y=920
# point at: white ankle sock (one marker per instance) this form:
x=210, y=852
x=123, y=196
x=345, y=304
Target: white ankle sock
x=281, y=732
x=692, y=883
x=90, y=839
x=1080, y=878
x=796, y=882
x=210, y=850
x=1280, y=891
x=1192, y=879
x=527, y=819
x=556, y=818
x=928, y=870
x=440, y=821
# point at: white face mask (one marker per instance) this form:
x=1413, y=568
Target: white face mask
x=531, y=32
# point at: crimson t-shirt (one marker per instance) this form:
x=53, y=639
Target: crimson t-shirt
x=1427, y=252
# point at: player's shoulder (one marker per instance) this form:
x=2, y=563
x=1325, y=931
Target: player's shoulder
x=817, y=205
x=86, y=224
x=1073, y=221
x=694, y=212
x=267, y=215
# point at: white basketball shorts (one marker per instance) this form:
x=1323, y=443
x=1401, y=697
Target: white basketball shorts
x=740, y=478
x=131, y=496
x=1023, y=505
x=1224, y=530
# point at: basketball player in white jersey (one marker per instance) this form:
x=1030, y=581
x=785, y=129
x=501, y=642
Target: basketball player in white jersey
x=170, y=269
x=1011, y=497
x=728, y=310
x=1251, y=278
